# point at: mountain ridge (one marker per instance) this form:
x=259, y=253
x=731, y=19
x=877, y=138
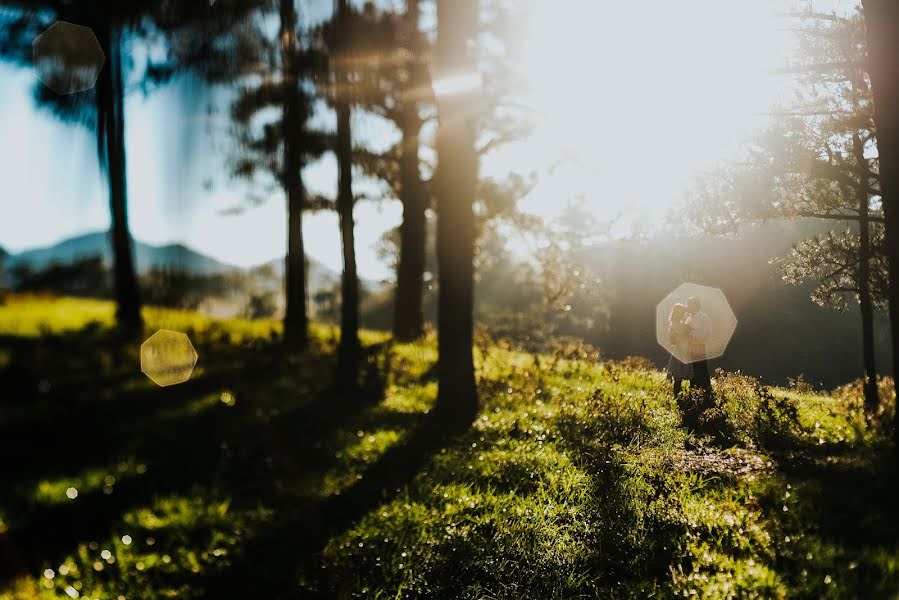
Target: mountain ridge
x=150, y=256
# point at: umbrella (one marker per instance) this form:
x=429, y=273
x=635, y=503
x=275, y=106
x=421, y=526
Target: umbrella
x=721, y=319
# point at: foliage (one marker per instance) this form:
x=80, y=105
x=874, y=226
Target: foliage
x=178, y=289
x=756, y=417
x=576, y=479
x=261, y=305
x=818, y=161
x=82, y=277
x=849, y=406
x=831, y=260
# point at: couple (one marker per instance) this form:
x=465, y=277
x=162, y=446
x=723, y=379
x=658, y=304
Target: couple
x=688, y=330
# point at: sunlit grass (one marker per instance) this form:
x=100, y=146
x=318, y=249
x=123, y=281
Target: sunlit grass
x=576, y=478
x=90, y=481
x=29, y=316
x=172, y=539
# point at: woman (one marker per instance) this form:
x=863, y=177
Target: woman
x=679, y=335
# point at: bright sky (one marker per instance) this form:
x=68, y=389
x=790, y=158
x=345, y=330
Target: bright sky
x=641, y=96
x=638, y=95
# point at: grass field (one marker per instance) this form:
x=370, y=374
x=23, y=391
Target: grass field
x=256, y=479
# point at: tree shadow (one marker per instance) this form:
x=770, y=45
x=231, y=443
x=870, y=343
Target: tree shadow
x=283, y=561
x=844, y=527
x=246, y=452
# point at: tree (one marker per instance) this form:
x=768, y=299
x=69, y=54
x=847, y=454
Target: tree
x=457, y=179
x=382, y=67
x=842, y=156
x=296, y=322
x=271, y=151
x=408, y=319
x=116, y=25
x=818, y=161
x=882, y=20
x=400, y=73
x=102, y=108
x=341, y=52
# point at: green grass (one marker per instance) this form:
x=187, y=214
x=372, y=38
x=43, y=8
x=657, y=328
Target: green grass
x=257, y=479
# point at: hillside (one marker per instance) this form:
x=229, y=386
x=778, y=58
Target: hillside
x=780, y=333
x=147, y=256
x=574, y=481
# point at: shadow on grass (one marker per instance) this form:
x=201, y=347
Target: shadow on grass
x=843, y=529
x=183, y=437
x=283, y=561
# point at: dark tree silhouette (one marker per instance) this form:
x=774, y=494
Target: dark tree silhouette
x=186, y=31
x=818, y=161
x=348, y=349
x=271, y=152
x=296, y=320
x=457, y=180
x=106, y=115
x=882, y=20
x=408, y=319
x=111, y=150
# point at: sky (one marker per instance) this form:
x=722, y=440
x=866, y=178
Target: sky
x=635, y=97
x=53, y=187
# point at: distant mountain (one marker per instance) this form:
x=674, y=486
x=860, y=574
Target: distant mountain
x=170, y=256
x=147, y=256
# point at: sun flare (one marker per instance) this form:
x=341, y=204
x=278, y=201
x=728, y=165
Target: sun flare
x=634, y=98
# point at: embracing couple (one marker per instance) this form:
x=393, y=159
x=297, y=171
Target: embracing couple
x=688, y=330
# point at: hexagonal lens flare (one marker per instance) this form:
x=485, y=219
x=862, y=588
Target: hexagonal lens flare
x=68, y=58
x=167, y=357
x=695, y=322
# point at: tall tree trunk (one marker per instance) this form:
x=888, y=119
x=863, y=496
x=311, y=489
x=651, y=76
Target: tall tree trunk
x=408, y=317
x=457, y=174
x=882, y=21
x=296, y=321
x=864, y=277
x=348, y=351
x=111, y=149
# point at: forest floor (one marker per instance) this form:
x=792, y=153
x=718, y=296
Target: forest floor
x=259, y=478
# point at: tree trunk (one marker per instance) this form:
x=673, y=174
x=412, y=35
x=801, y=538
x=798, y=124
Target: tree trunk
x=882, y=20
x=408, y=317
x=864, y=277
x=348, y=350
x=111, y=149
x=457, y=174
x=296, y=322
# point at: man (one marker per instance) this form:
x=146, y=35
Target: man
x=700, y=326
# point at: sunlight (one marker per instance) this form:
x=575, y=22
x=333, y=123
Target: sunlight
x=460, y=83
x=636, y=98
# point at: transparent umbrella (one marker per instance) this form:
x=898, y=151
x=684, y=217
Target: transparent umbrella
x=695, y=322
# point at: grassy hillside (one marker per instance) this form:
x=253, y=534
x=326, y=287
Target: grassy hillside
x=257, y=479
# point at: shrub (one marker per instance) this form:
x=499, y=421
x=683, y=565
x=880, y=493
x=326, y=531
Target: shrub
x=800, y=384
x=850, y=403
x=636, y=363
x=613, y=419
x=754, y=415
x=261, y=306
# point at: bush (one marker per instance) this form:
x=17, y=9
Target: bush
x=754, y=416
x=636, y=363
x=850, y=404
x=800, y=384
x=261, y=306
